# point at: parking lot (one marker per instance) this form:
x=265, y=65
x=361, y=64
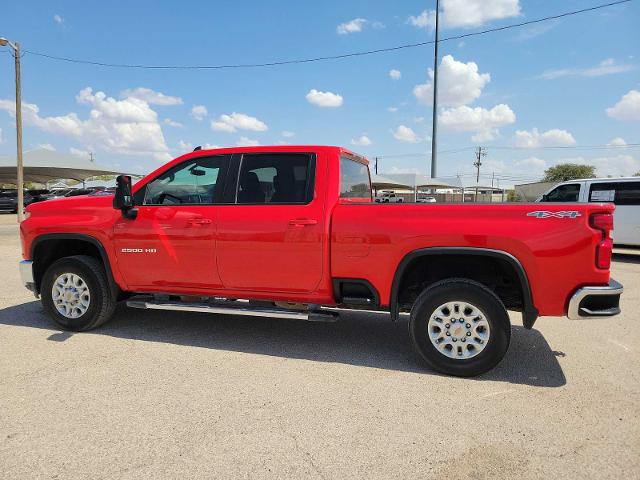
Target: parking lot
x=173, y=395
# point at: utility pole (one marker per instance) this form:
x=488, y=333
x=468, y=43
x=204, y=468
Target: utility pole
x=20, y=176
x=480, y=152
x=376, y=166
x=20, y=206
x=434, y=122
x=493, y=175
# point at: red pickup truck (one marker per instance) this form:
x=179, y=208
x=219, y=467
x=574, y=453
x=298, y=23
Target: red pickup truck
x=292, y=232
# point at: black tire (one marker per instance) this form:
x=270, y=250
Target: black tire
x=91, y=271
x=476, y=294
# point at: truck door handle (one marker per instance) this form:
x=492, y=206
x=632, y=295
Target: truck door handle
x=199, y=221
x=301, y=222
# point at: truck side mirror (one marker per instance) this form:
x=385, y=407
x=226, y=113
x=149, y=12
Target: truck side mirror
x=123, y=198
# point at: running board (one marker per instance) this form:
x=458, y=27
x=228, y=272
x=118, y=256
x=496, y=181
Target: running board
x=230, y=309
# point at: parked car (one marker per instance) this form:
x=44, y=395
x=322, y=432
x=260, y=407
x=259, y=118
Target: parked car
x=39, y=195
x=292, y=232
x=623, y=192
x=58, y=193
x=389, y=197
x=9, y=200
x=426, y=199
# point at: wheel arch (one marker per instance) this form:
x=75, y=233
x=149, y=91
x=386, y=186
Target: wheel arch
x=63, y=245
x=529, y=311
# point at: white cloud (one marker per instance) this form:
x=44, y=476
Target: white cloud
x=238, y=121
x=617, y=142
x=362, y=141
x=324, y=99
x=287, y=134
x=530, y=166
x=172, y=123
x=185, y=146
x=535, y=31
x=406, y=134
x=151, y=96
x=606, y=67
x=404, y=170
x=418, y=119
x=46, y=146
x=378, y=25
x=352, y=26
x=199, y=112
x=129, y=126
x=427, y=19
x=551, y=138
x=484, y=123
x=76, y=152
x=58, y=19
x=459, y=82
x=247, y=142
x=615, y=165
x=473, y=13
x=210, y=146
x=628, y=108
x=392, y=109
x=395, y=74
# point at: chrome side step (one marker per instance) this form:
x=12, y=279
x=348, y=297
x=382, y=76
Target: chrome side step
x=233, y=308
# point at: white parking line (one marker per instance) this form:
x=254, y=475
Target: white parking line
x=626, y=349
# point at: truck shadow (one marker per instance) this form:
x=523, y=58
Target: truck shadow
x=361, y=339
x=627, y=257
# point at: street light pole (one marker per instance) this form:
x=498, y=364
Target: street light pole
x=20, y=176
x=434, y=124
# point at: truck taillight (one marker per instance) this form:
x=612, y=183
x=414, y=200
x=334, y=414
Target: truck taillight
x=604, y=223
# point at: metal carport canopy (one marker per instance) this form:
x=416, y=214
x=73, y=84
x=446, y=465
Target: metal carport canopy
x=45, y=165
x=380, y=182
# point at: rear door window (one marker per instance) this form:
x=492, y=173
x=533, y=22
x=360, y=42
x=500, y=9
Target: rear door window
x=620, y=193
x=564, y=193
x=275, y=178
x=355, y=184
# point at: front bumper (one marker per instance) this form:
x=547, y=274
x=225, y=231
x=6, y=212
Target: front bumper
x=596, y=301
x=26, y=273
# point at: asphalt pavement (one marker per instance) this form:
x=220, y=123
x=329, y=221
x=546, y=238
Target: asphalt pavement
x=177, y=395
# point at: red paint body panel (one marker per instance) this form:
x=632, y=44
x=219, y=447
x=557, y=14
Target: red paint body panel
x=556, y=253
x=292, y=252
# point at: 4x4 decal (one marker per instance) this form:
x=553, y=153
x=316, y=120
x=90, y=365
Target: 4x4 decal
x=561, y=214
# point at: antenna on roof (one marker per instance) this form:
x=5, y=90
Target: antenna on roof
x=197, y=148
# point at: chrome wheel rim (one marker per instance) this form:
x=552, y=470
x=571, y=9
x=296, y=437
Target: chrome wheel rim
x=70, y=295
x=458, y=330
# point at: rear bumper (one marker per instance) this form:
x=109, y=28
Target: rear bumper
x=26, y=273
x=596, y=301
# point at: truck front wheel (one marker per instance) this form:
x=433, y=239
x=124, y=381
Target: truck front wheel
x=460, y=327
x=75, y=293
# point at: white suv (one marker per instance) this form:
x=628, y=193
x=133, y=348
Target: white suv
x=624, y=192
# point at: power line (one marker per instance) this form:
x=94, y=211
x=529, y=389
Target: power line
x=570, y=147
x=507, y=147
x=328, y=57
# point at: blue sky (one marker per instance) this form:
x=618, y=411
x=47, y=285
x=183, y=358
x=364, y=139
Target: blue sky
x=573, y=82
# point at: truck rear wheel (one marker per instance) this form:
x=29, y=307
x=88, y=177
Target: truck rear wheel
x=460, y=327
x=75, y=293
